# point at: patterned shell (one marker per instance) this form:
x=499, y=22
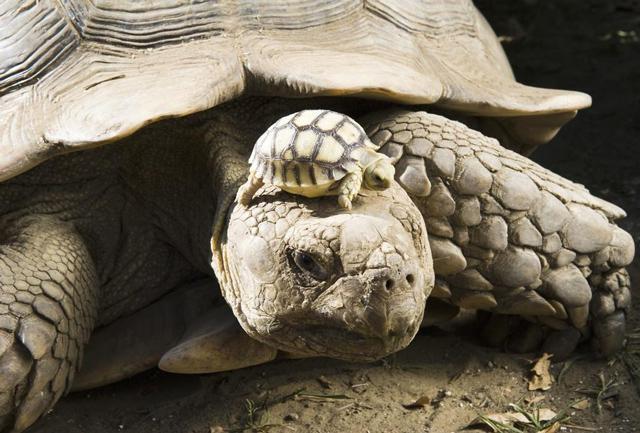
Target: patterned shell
x=76, y=74
x=308, y=148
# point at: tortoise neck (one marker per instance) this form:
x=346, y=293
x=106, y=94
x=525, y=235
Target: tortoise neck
x=230, y=132
x=228, y=154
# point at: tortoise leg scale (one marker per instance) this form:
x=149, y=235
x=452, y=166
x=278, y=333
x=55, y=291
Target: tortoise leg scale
x=348, y=189
x=48, y=306
x=511, y=237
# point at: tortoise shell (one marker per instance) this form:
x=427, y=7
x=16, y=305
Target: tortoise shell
x=76, y=74
x=310, y=148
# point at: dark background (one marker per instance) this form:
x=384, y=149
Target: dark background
x=592, y=46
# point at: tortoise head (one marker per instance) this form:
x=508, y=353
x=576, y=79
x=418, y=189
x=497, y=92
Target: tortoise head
x=305, y=276
x=379, y=174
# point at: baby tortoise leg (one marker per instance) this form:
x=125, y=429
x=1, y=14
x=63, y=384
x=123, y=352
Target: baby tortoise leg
x=348, y=189
x=48, y=305
x=511, y=237
x=248, y=190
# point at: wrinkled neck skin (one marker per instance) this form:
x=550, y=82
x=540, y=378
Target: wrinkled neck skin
x=306, y=276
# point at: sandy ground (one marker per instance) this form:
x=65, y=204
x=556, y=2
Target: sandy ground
x=587, y=45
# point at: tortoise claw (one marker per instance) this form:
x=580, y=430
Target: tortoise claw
x=344, y=202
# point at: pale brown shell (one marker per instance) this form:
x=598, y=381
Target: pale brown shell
x=79, y=73
x=308, y=149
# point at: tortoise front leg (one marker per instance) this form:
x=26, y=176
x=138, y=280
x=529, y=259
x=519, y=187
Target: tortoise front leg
x=348, y=189
x=507, y=235
x=48, y=306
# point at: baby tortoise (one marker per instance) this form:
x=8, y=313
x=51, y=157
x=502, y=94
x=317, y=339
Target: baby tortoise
x=314, y=153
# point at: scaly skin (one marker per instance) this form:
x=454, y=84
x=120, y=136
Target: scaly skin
x=507, y=235
x=348, y=189
x=309, y=277
x=133, y=221
x=48, y=305
x=139, y=216
x=112, y=227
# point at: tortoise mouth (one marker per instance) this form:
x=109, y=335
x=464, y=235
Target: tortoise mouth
x=340, y=343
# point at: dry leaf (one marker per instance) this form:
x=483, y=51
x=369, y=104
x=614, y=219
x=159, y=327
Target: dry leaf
x=507, y=418
x=511, y=418
x=418, y=404
x=581, y=404
x=535, y=399
x=553, y=428
x=540, y=378
x=544, y=414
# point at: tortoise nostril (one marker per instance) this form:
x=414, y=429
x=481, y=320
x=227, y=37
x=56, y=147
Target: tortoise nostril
x=410, y=278
x=389, y=284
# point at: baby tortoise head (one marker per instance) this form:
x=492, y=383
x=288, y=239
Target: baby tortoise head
x=379, y=174
x=315, y=153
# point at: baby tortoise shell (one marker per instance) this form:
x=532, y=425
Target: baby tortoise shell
x=315, y=153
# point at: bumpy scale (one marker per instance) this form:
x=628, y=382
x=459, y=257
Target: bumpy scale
x=507, y=235
x=314, y=153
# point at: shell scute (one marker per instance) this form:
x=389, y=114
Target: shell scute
x=306, y=117
x=313, y=147
x=321, y=153
x=330, y=151
x=329, y=121
x=350, y=133
x=282, y=140
x=305, y=144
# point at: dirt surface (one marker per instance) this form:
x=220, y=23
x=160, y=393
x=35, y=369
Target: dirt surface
x=584, y=45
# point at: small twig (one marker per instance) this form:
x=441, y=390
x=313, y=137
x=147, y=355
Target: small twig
x=286, y=397
x=579, y=427
x=566, y=366
x=346, y=406
x=323, y=397
x=603, y=392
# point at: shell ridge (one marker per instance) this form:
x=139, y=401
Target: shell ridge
x=296, y=173
x=137, y=44
x=312, y=174
x=319, y=118
x=292, y=143
x=316, y=148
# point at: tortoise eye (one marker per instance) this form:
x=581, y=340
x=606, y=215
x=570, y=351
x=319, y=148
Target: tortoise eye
x=306, y=263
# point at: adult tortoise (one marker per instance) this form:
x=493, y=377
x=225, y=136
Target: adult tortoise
x=118, y=241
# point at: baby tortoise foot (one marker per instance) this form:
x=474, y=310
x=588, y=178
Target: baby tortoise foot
x=348, y=189
x=248, y=190
x=345, y=202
